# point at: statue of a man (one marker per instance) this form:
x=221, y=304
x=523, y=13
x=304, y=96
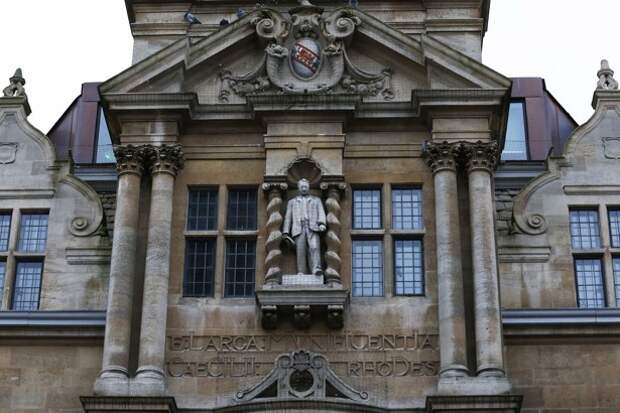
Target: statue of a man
x=304, y=221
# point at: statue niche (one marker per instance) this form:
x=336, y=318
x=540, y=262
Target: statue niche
x=308, y=235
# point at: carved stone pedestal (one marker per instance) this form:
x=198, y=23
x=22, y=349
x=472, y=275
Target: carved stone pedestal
x=303, y=302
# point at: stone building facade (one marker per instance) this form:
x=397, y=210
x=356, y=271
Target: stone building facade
x=426, y=300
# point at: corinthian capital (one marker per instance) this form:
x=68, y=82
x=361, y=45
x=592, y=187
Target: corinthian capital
x=130, y=158
x=166, y=158
x=441, y=155
x=480, y=155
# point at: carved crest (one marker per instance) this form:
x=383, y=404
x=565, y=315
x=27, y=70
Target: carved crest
x=7, y=152
x=306, y=54
x=301, y=375
x=611, y=148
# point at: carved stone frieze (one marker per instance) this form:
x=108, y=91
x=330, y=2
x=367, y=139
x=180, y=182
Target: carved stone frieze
x=301, y=375
x=306, y=54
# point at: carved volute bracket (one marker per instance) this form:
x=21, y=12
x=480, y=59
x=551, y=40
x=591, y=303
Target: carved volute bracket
x=166, y=159
x=273, y=261
x=333, y=192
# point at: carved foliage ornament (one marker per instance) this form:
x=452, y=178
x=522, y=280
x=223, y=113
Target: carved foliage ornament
x=306, y=54
x=134, y=159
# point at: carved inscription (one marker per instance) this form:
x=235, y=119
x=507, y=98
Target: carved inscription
x=350, y=354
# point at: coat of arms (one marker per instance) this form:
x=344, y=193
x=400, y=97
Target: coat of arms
x=306, y=54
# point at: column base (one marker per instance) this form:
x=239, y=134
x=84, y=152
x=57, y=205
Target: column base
x=112, y=382
x=454, y=370
x=470, y=404
x=463, y=386
x=149, y=382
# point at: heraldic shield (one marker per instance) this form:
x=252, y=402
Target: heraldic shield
x=306, y=54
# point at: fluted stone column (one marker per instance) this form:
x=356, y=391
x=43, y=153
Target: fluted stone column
x=481, y=159
x=165, y=161
x=441, y=157
x=333, y=191
x=114, y=377
x=273, y=260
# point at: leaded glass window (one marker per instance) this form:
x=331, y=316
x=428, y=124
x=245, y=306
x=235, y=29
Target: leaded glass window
x=407, y=208
x=199, y=267
x=590, y=289
x=408, y=267
x=33, y=232
x=616, y=267
x=202, y=210
x=5, y=230
x=614, y=227
x=27, y=286
x=367, y=209
x=584, y=229
x=241, y=212
x=367, y=259
x=2, y=279
x=240, y=268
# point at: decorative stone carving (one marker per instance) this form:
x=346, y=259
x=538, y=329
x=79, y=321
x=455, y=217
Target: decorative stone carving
x=606, y=79
x=8, y=151
x=301, y=375
x=333, y=191
x=304, y=222
x=441, y=155
x=16, y=85
x=306, y=54
x=611, y=147
x=273, y=260
x=131, y=158
x=166, y=159
x=480, y=155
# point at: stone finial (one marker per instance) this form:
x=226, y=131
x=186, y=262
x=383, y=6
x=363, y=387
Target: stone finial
x=606, y=79
x=16, y=85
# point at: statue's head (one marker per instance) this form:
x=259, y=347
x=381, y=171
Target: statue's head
x=304, y=186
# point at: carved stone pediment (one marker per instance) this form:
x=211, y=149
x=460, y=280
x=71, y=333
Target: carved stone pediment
x=301, y=375
x=306, y=54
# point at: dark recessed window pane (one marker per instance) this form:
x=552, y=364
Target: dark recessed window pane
x=199, y=267
x=515, y=147
x=33, y=232
x=240, y=268
x=2, y=278
x=408, y=267
x=590, y=290
x=407, y=208
x=367, y=258
x=5, y=230
x=202, y=210
x=584, y=229
x=614, y=227
x=367, y=209
x=105, y=151
x=27, y=286
x=616, y=265
x=241, y=209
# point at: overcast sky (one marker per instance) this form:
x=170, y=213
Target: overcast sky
x=62, y=43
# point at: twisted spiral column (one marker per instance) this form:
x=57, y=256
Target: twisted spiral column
x=333, y=192
x=273, y=260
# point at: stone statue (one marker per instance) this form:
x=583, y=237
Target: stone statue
x=16, y=87
x=606, y=79
x=305, y=220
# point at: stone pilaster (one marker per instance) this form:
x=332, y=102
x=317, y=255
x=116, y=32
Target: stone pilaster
x=113, y=379
x=165, y=161
x=442, y=159
x=481, y=159
x=333, y=192
x=273, y=260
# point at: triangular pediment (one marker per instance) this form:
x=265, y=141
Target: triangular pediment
x=307, y=52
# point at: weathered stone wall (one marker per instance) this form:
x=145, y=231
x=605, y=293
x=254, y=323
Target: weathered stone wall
x=38, y=378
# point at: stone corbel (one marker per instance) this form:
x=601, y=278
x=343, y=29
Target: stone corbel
x=333, y=192
x=273, y=260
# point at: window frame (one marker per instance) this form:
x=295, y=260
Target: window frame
x=369, y=187
x=590, y=208
x=189, y=239
x=213, y=188
x=381, y=242
x=411, y=237
x=601, y=260
x=526, y=136
x=225, y=258
x=231, y=188
x=100, y=114
x=22, y=260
